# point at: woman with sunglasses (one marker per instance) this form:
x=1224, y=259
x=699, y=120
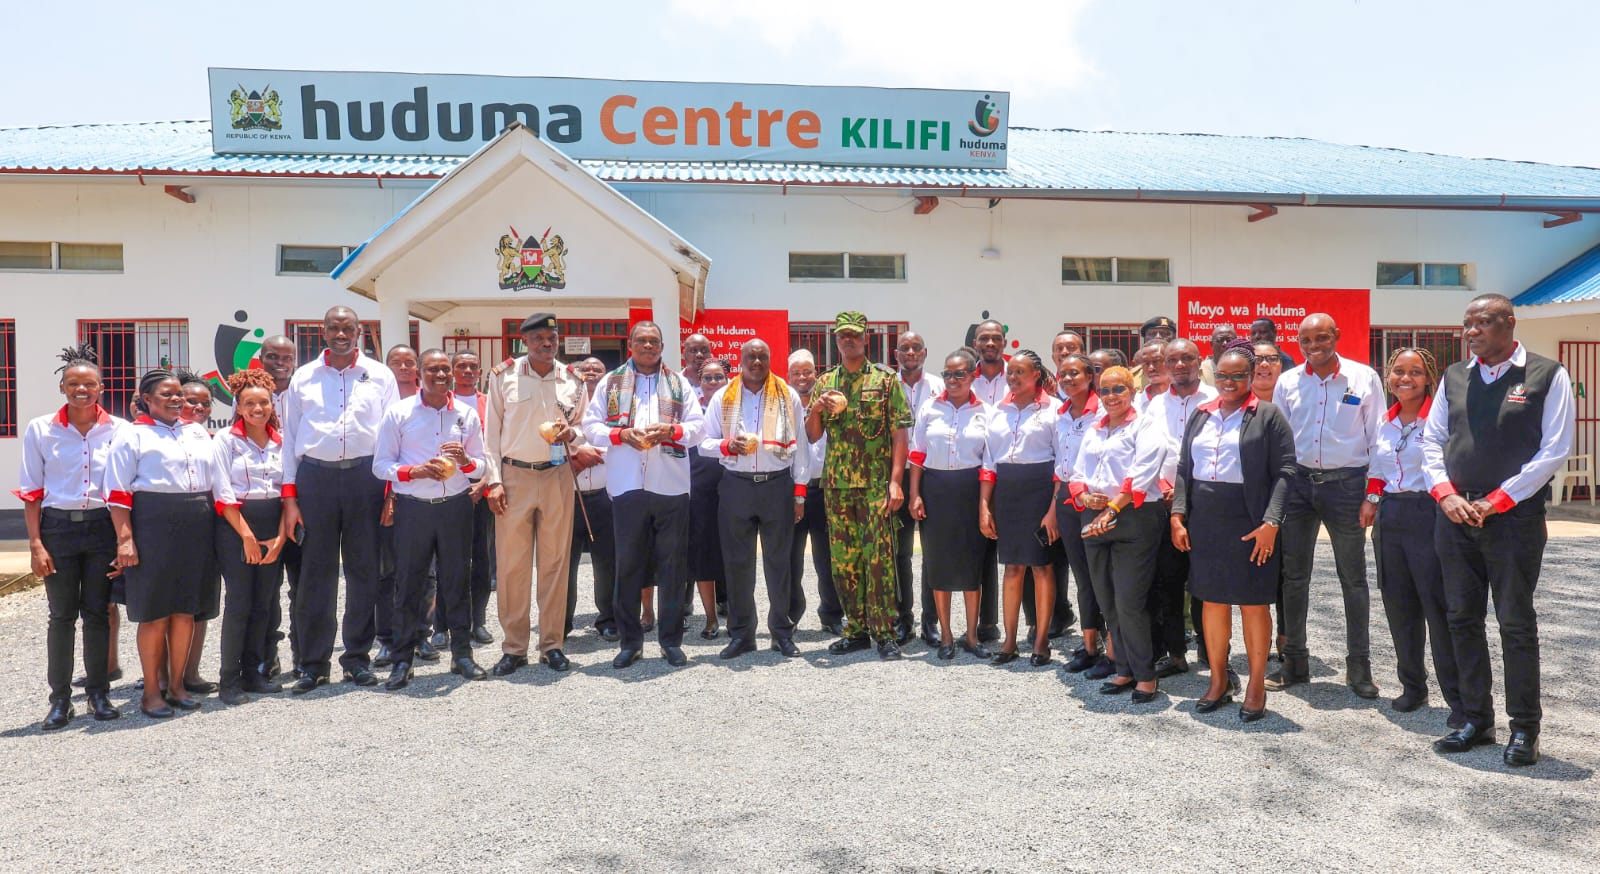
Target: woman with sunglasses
x=1408, y=567
x=1075, y=382
x=1014, y=504
x=948, y=446
x=1118, y=465
x=1264, y=379
x=705, y=544
x=1227, y=505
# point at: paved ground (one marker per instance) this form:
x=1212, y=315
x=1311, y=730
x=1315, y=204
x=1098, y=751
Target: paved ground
x=821, y=763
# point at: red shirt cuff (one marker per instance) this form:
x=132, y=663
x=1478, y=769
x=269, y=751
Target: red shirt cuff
x=289, y=491
x=1442, y=491
x=985, y=476
x=1501, y=501
x=1164, y=485
x=404, y=473
x=616, y=436
x=469, y=467
x=918, y=458
x=120, y=499
x=29, y=497
x=725, y=447
x=1138, y=497
x=799, y=490
x=223, y=505
x=1374, y=486
x=677, y=433
x=1076, y=490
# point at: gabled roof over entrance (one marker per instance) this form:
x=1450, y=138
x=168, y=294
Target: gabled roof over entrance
x=492, y=165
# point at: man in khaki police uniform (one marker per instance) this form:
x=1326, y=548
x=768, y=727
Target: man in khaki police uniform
x=529, y=440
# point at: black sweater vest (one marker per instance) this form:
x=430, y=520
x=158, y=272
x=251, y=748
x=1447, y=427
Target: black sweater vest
x=1496, y=428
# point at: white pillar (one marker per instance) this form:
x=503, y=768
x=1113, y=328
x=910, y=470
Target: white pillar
x=394, y=317
x=664, y=312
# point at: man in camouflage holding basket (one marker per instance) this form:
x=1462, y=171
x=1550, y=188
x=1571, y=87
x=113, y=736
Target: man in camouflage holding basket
x=865, y=415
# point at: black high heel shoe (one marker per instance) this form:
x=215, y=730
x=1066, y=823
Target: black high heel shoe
x=1206, y=705
x=1145, y=697
x=183, y=703
x=1004, y=658
x=1110, y=688
x=1040, y=658
x=1248, y=715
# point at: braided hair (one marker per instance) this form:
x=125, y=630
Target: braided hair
x=1042, y=381
x=147, y=384
x=1242, y=347
x=1429, y=365
x=252, y=378
x=186, y=376
x=81, y=355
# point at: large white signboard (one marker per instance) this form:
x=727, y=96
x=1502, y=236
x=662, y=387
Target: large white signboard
x=332, y=113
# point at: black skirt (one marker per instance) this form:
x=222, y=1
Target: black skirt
x=952, y=544
x=173, y=535
x=1220, y=569
x=1021, y=498
x=705, y=545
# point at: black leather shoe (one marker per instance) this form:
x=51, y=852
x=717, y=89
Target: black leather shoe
x=399, y=676
x=736, y=648
x=1207, y=705
x=988, y=633
x=1040, y=658
x=902, y=635
x=626, y=657
x=1464, y=738
x=259, y=685
x=426, y=651
x=609, y=634
x=272, y=669
x=307, y=682
x=481, y=636
x=977, y=650
x=1103, y=668
x=849, y=644
x=102, y=708
x=1293, y=670
x=1455, y=720
x=183, y=703
x=947, y=652
x=203, y=687
x=787, y=647
x=440, y=640
x=1523, y=750
x=834, y=628
x=232, y=694
x=674, y=655
x=466, y=667
x=162, y=712
x=711, y=633
x=1115, y=688
x=1082, y=660
x=1003, y=658
x=556, y=659
x=1248, y=715
x=889, y=650
x=508, y=665
x=361, y=677
x=1358, y=676
x=61, y=714
x=1408, y=701
x=1145, y=697
x=384, y=658
x=930, y=637
x=1171, y=666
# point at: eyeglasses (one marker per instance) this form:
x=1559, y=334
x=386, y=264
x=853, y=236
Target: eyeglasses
x=714, y=377
x=1232, y=377
x=955, y=374
x=1097, y=368
x=1109, y=390
x=1269, y=359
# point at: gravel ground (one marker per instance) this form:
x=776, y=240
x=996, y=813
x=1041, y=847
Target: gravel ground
x=821, y=763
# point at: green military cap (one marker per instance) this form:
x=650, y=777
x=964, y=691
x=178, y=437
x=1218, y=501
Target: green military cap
x=850, y=320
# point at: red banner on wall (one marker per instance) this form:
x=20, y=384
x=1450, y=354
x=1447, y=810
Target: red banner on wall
x=728, y=330
x=1201, y=309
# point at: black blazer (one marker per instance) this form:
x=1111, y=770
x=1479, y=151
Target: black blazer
x=1267, y=459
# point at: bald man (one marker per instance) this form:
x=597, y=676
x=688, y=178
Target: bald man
x=910, y=354
x=696, y=352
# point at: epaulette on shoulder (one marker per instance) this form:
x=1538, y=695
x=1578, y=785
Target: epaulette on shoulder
x=502, y=367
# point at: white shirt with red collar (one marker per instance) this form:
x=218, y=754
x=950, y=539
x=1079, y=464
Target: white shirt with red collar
x=1214, y=454
x=1070, y=431
x=1397, y=462
x=412, y=432
x=1172, y=413
x=1117, y=457
x=1557, y=427
x=1142, y=400
x=245, y=471
x=333, y=415
x=949, y=438
x=990, y=390
x=1334, y=419
x=62, y=468
x=1021, y=435
x=150, y=456
x=918, y=393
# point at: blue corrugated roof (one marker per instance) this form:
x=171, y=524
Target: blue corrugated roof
x=1576, y=280
x=1071, y=161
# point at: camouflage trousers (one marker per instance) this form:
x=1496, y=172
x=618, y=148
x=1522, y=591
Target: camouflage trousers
x=861, y=542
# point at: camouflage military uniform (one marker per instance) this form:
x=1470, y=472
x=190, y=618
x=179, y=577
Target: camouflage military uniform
x=855, y=477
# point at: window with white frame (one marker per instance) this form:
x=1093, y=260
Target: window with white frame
x=53, y=257
x=1413, y=274
x=851, y=266
x=309, y=260
x=1085, y=270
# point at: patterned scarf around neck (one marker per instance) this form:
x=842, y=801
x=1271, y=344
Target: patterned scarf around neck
x=622, y=402
x=777, y=419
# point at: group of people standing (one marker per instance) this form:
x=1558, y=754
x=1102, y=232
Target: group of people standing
x=1170, y=492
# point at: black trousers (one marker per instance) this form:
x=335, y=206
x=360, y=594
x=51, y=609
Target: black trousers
x=989, y=592
x=250, y=590
x=746, y=510
x=1501, y=559
x=1412, y=581
x=1122, y=563
x=1167, y=597
x=482, y=561
x=290, y=559
x=650, y=532
x=1071, y=521
x=82, y=552
x=1336, y=505
x=428, y=534
x=602, y=555
x=907, y=591
x=815, y=528
x=341, y=508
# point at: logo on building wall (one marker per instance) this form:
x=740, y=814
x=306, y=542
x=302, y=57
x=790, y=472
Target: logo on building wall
x=985, y=117
x=534, y=262
x=255, y=110
x=235, y=348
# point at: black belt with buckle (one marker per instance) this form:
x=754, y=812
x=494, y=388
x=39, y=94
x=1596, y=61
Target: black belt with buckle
x=422, y=500
x=346, y=464
x=1331, y=475
x=76, y=515
x=591, y=492
x=758, y=477
x=528, y=465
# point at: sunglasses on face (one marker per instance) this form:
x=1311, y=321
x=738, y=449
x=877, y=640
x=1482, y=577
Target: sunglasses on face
x=1109, y=390
x=1269, y=359
x=955, y=374
x=1232, y=377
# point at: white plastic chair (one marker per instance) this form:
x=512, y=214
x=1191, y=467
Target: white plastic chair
x=1578, y=467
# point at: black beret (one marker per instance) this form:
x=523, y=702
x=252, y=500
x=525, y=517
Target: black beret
x=1157, y=322
x=538, y=320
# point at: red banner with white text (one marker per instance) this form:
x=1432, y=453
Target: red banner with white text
x=1202, y=308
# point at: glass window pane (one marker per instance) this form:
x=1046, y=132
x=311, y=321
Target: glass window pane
x=1085, y=269
x=1397, y=274
x=25, y=256
x=309, y=259
x=816, y=265
x=1142, y=270
x=1452, y=275
x=877, y=267
x=91, y=256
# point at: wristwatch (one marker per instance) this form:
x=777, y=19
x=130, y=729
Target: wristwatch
x=1373, y=499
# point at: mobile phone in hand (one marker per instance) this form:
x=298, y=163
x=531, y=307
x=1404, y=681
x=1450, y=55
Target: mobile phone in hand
x=1043, y=536
x=299, y=533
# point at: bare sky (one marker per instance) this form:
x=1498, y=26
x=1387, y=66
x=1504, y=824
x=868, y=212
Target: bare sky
x=1471, y=77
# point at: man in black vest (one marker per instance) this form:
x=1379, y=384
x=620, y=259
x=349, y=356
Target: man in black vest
x=1497, y=432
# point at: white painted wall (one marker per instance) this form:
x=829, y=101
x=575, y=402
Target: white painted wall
x=207, y=260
